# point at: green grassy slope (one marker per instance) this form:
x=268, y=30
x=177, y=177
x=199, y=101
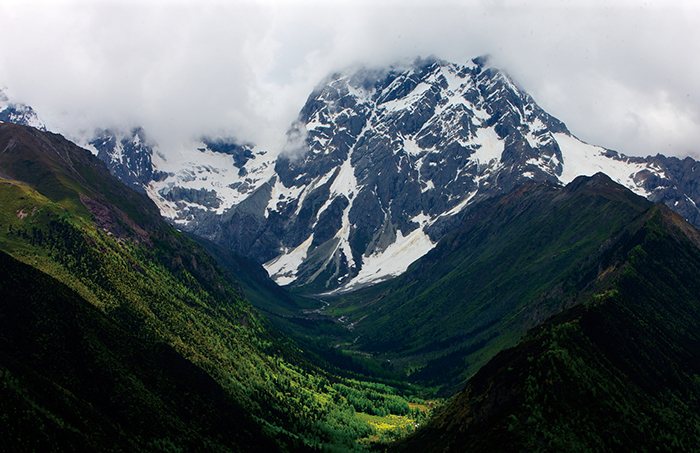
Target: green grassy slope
x=619, y=373
x=55, y=168
x=167, y=299
x=514, y=262
x=74, y=379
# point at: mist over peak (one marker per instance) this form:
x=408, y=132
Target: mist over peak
x=244, y=69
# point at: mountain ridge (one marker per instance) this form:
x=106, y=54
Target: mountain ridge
x=617, y=373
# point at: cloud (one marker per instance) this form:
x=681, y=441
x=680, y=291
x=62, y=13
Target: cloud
x=620, y=74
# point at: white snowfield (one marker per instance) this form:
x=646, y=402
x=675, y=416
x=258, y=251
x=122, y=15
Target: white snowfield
x=582, y=159
x=194, y=166
x=283, y=269
x=393, y=261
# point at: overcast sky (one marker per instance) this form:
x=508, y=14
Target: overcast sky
x=620, y=74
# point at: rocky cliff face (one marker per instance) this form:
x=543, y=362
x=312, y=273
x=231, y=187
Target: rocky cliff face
x=129, y=156
x=678, y=187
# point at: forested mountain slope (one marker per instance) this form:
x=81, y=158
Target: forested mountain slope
x=617, y=373
x=77, y=381
x=123, y=334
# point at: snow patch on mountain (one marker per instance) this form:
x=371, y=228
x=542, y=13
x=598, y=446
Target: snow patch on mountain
x=462, y=204
x=393, y=261
x=283, y=269
x=282, y=194
x=583, y=159
x=343, y=235
x=411, y=147
x=489, y=146
x=407, y=102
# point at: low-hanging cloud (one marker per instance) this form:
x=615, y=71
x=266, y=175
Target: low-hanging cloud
x=619, y=74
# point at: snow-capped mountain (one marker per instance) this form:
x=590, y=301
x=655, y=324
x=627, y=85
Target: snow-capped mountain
x=207, y=177
x=201, y=178
x=379, y=165
x=18, y=113
x=129, y=156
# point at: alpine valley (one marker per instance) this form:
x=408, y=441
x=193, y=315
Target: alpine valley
x=459, y=273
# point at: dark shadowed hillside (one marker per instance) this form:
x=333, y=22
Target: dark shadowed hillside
x=76, y=380
x=618, y=373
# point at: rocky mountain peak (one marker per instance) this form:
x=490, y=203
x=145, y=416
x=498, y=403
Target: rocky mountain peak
x=128, y=155
x=18, y=113
x=402, y=151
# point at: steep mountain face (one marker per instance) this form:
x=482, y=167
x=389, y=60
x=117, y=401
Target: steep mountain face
x=379, y=165
x=214, y=175
x=129, y=157
x=678, y=189
x=619, y=373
